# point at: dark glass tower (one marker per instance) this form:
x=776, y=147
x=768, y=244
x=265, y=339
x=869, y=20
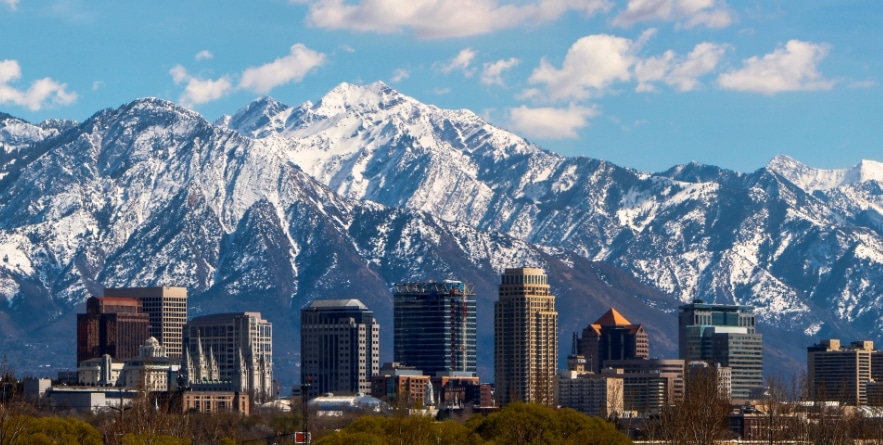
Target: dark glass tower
x=435, y=326
x=723, y=334
x=112, y=326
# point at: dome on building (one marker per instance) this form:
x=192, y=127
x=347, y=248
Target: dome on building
x=152, y=348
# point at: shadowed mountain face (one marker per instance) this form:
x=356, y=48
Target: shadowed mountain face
x=277, y=205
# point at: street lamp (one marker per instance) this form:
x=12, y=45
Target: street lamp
x=304, y=394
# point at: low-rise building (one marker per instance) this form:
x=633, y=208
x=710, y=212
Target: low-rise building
x=593, y=394
x=403, y=386
x=215, y=402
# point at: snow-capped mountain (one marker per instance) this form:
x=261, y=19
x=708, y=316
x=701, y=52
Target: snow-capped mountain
x=276, y=205
x=771, y=238
x=152, y=194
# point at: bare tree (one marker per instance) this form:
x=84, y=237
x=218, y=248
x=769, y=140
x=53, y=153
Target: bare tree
x=701, y=417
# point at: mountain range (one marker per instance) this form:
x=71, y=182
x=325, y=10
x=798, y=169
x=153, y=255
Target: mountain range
x=275, y=205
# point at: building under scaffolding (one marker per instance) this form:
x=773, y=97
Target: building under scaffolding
x=435, y=326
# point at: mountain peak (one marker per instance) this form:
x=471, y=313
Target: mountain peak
x=362, y=98
x=811, y=179
x=257, y=115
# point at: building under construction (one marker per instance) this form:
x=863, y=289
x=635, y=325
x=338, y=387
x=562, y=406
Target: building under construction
x=435, y=326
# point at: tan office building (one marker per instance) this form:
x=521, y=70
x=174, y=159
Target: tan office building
x=840, y=372
x=525, y=338
x=167, y=307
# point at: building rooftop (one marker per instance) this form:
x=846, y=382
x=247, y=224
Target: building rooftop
x=613, y=318
x=223, y=317
x=350, y=302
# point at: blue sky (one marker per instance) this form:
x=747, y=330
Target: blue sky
x=646, y=84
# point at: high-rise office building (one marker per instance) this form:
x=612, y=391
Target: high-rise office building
x=112, y=326
x=840, y=372
x=167, y=307
x=236, y=348
x=723, y=335
x=340, y=346
x=525, y=338
x=434, y=326
x=612, y=337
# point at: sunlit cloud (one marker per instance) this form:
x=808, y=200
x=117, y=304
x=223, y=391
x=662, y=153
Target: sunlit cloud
x=591, y=65
x=399, y=75
x=684, y=13
x=433, y=19
x=859, y=84
x=41, y=93
x=460, y=62
x=199, y=91
x=492, y=74
x=793, y=67
x=549, y=122
x=204, y=55
x=682, y=73
x=291, y=68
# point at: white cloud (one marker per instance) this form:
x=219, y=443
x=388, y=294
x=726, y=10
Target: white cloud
x=862, y=84
x=441, y=91
x=591, y=65
x=399, y=75
x=199, y=91
x=460, y=62
x=493, y=72
x=551, y=123
x=41, y=93
x=12, y=4
x=441, y=18
x=291, y=68
x=681, y=73
x=347, y=48
x=684, y=13
x=792, y=68
x=204, y=55
x=653, y=69
x=98, y=84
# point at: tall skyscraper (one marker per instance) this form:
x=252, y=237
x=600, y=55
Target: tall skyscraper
x=434, y=326
x=167, y=307
x=112, y=326
x=840, y=373
x=340, y=346
x=613, y=337
x=724, y=335
x=525, y=338
x=234, y=347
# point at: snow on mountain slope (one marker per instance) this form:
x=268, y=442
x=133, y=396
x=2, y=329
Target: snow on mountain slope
x=694, y=231
x=813, y=179
x=276, y=205
x=152, y=194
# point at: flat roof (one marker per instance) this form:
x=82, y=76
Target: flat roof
x=347, y=302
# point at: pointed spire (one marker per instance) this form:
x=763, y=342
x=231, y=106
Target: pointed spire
x=212, y=365
x=201, y=372
x=188, y=365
